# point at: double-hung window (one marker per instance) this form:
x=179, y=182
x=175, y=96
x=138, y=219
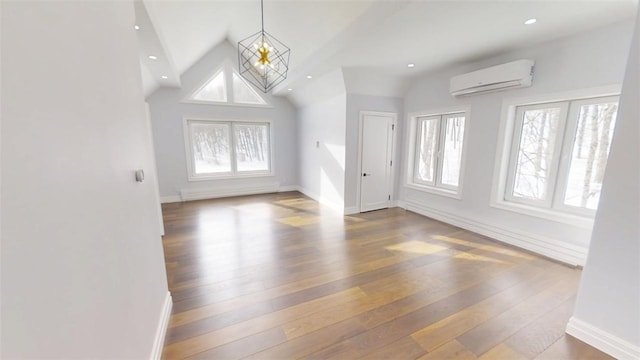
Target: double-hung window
x=227, y=148
x=437, y=151
x=558, y=154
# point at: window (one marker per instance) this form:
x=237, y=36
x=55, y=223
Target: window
x=227, y=148
x=224, y=89
x=215, y=90
x=559, y=152
x=437, y=159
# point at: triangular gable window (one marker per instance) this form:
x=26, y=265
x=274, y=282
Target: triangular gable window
x=243, y=93
x=222, y=88
x=215, y=90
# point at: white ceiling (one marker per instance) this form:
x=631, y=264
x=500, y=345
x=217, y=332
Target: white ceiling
x=375, y=36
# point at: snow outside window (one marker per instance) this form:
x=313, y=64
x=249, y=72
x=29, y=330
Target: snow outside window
x=231, y=148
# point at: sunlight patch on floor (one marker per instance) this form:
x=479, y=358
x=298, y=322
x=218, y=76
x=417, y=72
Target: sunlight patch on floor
x=298, y=221
x=457, y=241
x=417, y=247
x=476, y=257
x=507, y=251
x=485, y=247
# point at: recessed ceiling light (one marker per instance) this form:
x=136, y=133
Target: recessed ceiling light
x=309, y=77
x=153, y=57
x=530, y=21
x=164, y=76
x=410, y=65
x=136, y=27
x=289, y=89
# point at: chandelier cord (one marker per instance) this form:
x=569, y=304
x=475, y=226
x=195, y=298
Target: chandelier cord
x=262, y=13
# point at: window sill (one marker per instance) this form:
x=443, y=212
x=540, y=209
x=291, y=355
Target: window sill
x=437, y=191
x=584, y=222
x=230, y=177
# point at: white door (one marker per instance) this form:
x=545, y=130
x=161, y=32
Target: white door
x=376, y=139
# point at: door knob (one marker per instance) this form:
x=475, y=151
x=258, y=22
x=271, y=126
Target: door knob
x=365, y=174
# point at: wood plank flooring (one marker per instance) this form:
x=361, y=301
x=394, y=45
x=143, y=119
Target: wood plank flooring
x=277, y=277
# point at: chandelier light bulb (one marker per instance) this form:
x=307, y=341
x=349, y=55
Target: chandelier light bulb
x=264, y=56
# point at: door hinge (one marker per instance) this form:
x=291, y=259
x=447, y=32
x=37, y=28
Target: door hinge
x=389, y=197
x=393, y=126
x=391, y=163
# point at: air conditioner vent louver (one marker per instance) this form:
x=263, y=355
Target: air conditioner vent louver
x=515, y=74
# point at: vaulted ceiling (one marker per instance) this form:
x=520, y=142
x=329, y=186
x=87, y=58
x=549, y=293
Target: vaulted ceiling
x=377, y=38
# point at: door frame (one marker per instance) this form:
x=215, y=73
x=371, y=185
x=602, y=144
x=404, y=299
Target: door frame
x=394, y=122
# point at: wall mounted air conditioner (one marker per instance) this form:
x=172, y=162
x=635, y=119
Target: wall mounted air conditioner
x=515, y=74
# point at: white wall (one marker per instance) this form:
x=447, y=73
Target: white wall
x=592, y=59
x=82, y=267
x=374, y=82
x=355, y=104
x=321, y=149
x=168, y=111
x=608, y=303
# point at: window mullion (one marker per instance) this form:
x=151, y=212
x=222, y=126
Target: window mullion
x=418, y=137
x=513, y=157
x=441, y=131
x=562, y=178
x=232, y=150
x=229, y=84
x=556, y=173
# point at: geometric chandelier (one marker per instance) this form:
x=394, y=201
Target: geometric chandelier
x=262, y=59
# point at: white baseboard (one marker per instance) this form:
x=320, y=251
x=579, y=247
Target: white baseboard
x=339, y=208
x=602, y=340
x=288, y=188
x=170, y=199
x=228, y=191
x=351, y=210
x=401, y=204
x=161, y=331
x=552, y=248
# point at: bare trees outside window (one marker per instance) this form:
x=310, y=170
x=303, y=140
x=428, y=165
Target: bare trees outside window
x=559, y=153
x=535, y=153
x=438, y=150
x=590, y=152
x=228, y=148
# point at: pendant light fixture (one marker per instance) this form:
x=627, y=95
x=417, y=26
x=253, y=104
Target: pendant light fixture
x=262, y=59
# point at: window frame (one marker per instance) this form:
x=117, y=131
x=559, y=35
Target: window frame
x=228, y=71
x=568, y=147
x=579, y=217
x=414, y=134
x=435, y=157
x=234, y=173
x=555, y=160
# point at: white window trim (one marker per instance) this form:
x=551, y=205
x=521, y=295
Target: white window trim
x=503, y=154
x=565, y=162
x=555, y=161
x=412, y=134
x=417, y=135
x=191, y=175
x=228, y=70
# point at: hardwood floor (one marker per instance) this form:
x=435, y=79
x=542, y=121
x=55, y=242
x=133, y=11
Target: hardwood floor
x=277, y=277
